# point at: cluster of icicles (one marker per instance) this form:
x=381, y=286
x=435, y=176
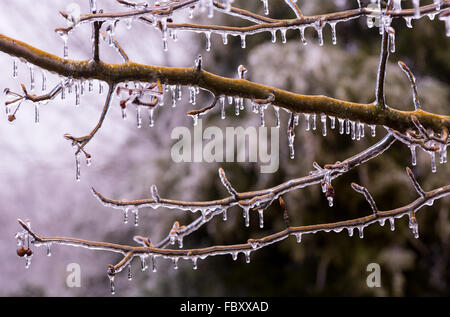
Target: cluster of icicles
x=160, y=23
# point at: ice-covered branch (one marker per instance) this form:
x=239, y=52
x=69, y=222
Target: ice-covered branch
x=255, y=199
x=129, y=252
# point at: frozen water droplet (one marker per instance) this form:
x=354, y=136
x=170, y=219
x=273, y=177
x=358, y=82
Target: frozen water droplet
x=323, y=119
x=138, y=117
x=247, y=216
x=234, y=256
x=413, y=155
x=307, y=127
x=130, y=276
x=361, y=232
x=243, y=42
x=194, y=262
x=341, y=125
x=333, y=33
x=175, y=263
x=15, y=67
x=392, y=222
x=247, y=256
x=350, y=231
x=136, y=217
x=298, y=236
x=261, y=218
x=208, y=41
x=433, y=161
x=332, y=122
x=302, y=35
x=153, y=264
x=224, y=215
x=125, y=215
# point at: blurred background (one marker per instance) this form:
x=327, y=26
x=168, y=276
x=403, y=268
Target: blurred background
x=37, y=173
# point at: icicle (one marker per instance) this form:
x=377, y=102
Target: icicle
x=341, y=125
x=274, y=36
x=153, y=263
x=333, y=33
x=361, y=130
x=77, y=93
x=392, y=222
x=138, y=117
x=77, y=163
x=291, y=137
x=296, y=119
x=124, y=112
x=319, y=29
x=332, y=122
x=194, y=263
x=100, y=87
x=323, y=119
x=222, y=104
x=413, y=225
x=143, y=264
x=277, y=116
x=36, y=112
x=330, y=201
x=49, y=251
x=314, y=126
x=225, y=38
x=88, y=160
x=136, y=217
x=408, y=22
x=247, y=256
x=361, y=232
x=175, y=263
x=44, y=81
x=302, y=35
x=234, y=256
x=125, y=215
x=224, y=215
x=307, y=122
x=15, y=67
x=261, y=218
x=247, y=216
x=243, y=43
x=174, y=96
x=266, y=6
x=208, y=41
x=261, y=116
x=350, y=231
x=413, y=155
x=66, y=46
x=353, y=130
x=298, y=236
x=28, y=261
x=130, y=276
x=382, y=222
x=283, y=35
x=111, y=281
x=151, y=119
x=236, y=106
x=443, y=154
x=32, y=80
x=433, y=161
x=192, y=95
x=373, y=130
x=358, y=131
x=191, y=12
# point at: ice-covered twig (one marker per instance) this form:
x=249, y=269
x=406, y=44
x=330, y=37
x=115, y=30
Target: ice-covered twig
x=412, y=80
x=362, y=190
